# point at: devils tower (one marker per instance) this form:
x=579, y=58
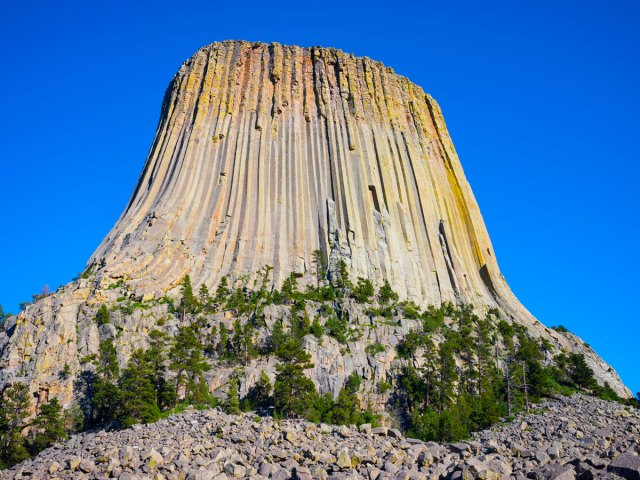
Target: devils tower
x=263, y=155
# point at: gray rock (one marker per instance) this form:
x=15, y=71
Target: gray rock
x=627, y=466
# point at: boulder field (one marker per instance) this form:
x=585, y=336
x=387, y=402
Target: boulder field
x=563, y=438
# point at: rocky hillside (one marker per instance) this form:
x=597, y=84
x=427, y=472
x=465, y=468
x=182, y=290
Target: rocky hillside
x=566, y=438
x=265, y=155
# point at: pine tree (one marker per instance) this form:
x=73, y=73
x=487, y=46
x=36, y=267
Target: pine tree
x=106, y=395
x=14, y=409
x=156, y=356
x=259, y=396
x=223, y=345
x=232, y=402
x=342, y=281
x=187, y=360
x=102, y=317
x=386, y=294
x=48, y=427
x=581, y=374
x=319, y=263
x=293, y=391
x=222, y=291
x=188, y=301
x=204, y=297
x=243, y=348
x=138, y=395
x=363, y=291
x=289, y=288
x=277, y=337
x=316, y=328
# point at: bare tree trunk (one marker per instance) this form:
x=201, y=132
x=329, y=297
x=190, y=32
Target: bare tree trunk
x=524, y=384
x=508, y=388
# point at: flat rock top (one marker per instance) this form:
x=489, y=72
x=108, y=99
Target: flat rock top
x=576, y=437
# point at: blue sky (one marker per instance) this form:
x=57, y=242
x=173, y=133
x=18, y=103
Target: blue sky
x=541, y=99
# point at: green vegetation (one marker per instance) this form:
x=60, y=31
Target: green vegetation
x=102, y=317
x=46, y=428
x=374, y=348
x=475, y=369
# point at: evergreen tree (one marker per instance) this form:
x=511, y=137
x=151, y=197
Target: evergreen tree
x=293, y=391
x=187, y=360
x=277, y=337
x=14, y=409
x=106, y=395
x=156, y=357
x=386, y=294
x=448, y=374
x=48, y=427
x=259, y=396
x=342, y=281
x=224, y=348
x=138, y=396
x=363, y=291
x=222, y=291
x=232, y=402
x=102, y=317
x=188, y=301
x=289, y=288
x=316, y=328
x=581, y=374
x=243, y=347
x=319, y=263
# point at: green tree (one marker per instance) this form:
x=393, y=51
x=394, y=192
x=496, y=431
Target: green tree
x=293, y=391
x=204, y=297
x=222, y=291
x=580, y=373
x=14, y=410
x=188, y=301
x=224, y=343
x=316, y=328
x=106, y=395
x=277, y=337
x=232, y=402
x=138, y=396
x=48, y=427
x=289, y=288
x=102, y=317
x=259, y=396
x=186, y=359
x=386, y=294
x=342, y=281
x=319, y=262
x=363, y=291
x=243, y=348
x=156, y=357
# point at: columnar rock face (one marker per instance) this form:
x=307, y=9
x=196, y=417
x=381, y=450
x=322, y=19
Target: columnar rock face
x=265, y=153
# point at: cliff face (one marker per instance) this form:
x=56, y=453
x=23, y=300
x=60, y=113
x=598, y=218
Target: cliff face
x=263, y=154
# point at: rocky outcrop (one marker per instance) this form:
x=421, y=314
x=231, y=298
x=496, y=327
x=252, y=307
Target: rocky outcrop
x=264, y=154
x=575, y=437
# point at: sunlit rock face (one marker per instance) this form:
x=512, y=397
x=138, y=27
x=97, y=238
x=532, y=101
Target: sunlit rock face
x=263, y=155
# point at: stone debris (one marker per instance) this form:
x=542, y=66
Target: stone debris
x=210, y=445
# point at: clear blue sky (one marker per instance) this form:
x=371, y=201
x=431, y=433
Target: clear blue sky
x=542, y=100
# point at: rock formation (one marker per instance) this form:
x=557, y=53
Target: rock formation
x=264, y=154
x=565, y=442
